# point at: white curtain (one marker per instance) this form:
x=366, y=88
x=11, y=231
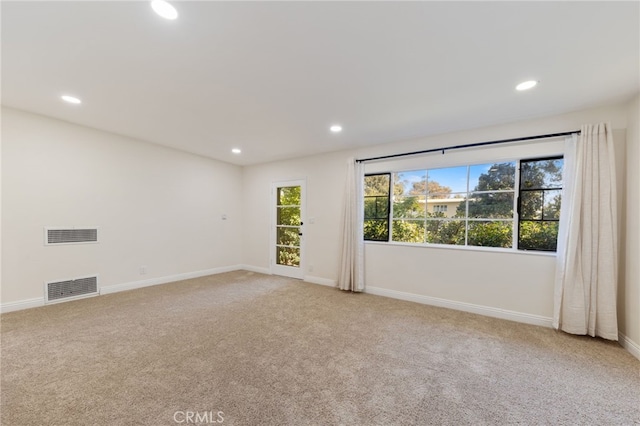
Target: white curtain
x=352, y=260
x=586, y=274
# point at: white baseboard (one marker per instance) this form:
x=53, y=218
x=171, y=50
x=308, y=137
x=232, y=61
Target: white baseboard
x=632, y=347
x=257, y=269
x=21, y=304
x=319, y=280
x=462, y=306
x=36, y=302
x=167, y=279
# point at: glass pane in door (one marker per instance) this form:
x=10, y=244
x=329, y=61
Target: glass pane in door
x=288, y=224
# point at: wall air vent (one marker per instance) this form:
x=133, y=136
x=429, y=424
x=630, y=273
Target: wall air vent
x=74, y=235
x=71, y=289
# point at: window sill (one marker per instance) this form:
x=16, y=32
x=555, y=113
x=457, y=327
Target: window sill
x=463, y=248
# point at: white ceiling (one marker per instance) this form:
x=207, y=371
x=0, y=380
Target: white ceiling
x=271, y=77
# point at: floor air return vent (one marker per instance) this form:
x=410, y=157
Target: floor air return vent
x=71, y=289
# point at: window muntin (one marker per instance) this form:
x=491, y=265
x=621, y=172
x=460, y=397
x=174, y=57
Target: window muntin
x=377, y=188
x=540, y=199
x=480, y=205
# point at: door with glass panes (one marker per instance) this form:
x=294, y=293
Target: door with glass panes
x=287, y=228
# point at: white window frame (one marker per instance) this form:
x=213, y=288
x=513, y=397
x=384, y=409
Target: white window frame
x=508, y=153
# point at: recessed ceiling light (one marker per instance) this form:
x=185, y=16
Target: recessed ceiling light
x=336, y=128
x=71, y=99
x=164, y=9
x=526, y=85
x=236, y=150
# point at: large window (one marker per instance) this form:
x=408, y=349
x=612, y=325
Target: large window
x=474, y=205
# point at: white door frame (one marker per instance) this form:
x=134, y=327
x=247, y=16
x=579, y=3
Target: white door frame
x=288, y=271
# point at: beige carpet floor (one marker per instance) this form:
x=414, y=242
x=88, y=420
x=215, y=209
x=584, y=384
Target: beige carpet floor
x=265, y=350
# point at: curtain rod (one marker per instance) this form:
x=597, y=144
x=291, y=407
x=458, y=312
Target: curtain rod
x=469, y=145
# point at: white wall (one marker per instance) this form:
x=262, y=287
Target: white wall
x=162, y=208
x=324, y=183
x=510, y=285
x=154, y=206
x=629, y=294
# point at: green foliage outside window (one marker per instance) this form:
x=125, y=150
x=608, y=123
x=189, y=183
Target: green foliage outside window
x=409, y=231
x=538, y=236
x=288, y=256
x=288, y=222
x=491, y=234
x=450, y=232
x=289, y=205
x=376, y=230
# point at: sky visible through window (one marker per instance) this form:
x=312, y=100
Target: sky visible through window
x=453, y=177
